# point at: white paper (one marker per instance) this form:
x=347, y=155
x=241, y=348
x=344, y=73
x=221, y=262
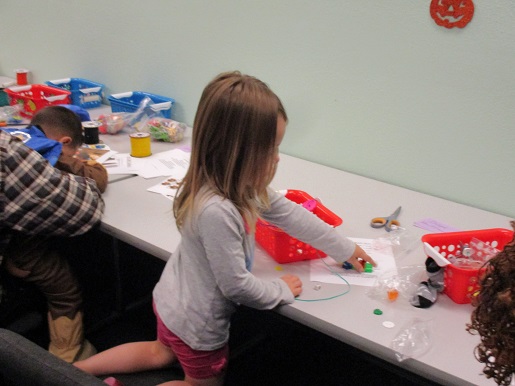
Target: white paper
x=384, y=258
x=123, y=163
x=104, y=159
x=172, y=163
x=167, y=187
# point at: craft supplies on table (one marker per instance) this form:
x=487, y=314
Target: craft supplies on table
x=5, y=82
x=388, y=222
x=140, y=145
x=34, y=97
x=328, y=270
x=22, y=76
x=99, y=152
x=166, y=130
x=91, y=131
x=461, y=282
x=84, y=93
x=171, y=163
x=130, y=101
x=286, y=249
x=112, y=123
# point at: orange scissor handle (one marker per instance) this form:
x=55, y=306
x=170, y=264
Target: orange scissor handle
x=386, y=222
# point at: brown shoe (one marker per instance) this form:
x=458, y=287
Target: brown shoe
x=67, y=339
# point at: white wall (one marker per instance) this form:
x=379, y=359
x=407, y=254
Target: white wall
x=373, y=87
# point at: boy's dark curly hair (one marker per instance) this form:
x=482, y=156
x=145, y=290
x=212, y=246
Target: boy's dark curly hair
x=494, y=316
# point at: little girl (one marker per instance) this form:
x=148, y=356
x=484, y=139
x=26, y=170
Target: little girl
x=238, y=128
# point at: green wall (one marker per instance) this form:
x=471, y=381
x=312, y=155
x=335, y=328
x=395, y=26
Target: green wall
x=372, y=87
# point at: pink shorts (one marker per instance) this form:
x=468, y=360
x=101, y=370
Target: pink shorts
x=195, y=363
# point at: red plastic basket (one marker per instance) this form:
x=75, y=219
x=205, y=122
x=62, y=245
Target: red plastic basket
x=461, y=283
x=34, y=97
x=284, y=248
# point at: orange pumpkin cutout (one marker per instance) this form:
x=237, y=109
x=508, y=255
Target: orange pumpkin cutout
x=452, y=13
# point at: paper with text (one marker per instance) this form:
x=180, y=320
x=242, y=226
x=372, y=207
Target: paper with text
x=173, y=163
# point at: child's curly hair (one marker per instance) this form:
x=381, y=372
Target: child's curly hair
x=494, y=316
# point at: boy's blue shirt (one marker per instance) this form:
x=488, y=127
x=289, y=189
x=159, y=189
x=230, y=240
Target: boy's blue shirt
x=34, y=138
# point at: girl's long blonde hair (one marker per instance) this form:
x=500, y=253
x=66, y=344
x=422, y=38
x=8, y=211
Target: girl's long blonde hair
x=233, y=146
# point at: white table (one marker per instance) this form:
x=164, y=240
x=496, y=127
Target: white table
x=140, y=218
x=145, y=220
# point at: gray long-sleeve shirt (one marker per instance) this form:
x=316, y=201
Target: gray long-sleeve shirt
x=206, y=277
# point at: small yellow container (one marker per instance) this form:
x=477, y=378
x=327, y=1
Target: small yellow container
x=140, y=145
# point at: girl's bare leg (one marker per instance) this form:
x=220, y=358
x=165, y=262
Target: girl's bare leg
x=129, y=358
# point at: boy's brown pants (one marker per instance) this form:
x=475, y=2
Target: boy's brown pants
x=35, y=260
x=32, y=259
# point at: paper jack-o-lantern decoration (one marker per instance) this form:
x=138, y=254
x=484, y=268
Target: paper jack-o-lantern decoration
x=452, y=13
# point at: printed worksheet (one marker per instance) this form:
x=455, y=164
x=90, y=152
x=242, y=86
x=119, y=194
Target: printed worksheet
x=173, y=163
x=327, y=270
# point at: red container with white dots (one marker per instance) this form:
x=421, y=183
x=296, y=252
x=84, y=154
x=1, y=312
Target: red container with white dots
x=460, y=284
x=286, y=249
x=34, y=97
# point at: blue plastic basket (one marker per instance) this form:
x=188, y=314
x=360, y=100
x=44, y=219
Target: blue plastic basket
x=129, y=102
x=85, y=93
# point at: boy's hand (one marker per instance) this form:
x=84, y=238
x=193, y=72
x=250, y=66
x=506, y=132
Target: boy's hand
x=294, y=283
x=358, y=257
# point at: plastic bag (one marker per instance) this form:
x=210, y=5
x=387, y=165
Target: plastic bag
x=11, y=114
x=145, y=119
x=164, y=129
x=149, y=120
x=113, y=123
x=473, y=255
x=392, y=284
x=129, y=122
x=413, y=340
x=143, y=114
x=399, y=239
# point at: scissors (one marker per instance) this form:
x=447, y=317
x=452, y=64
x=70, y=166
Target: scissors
x=386, y=222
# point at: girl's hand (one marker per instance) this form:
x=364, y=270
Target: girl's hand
x=294, y=283
x=359, y=258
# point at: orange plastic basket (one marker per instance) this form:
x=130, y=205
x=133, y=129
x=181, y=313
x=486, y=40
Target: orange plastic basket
x=34, y=97
x=461, y=283
x=284, y=248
